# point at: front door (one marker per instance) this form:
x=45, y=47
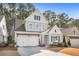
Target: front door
x=46, y=39
x=55, y=40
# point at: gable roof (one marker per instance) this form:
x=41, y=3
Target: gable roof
x=19, y=23
x=48, y=30
x=69, y=31
x=21, y=28
x=65, y=31
x=37, y=13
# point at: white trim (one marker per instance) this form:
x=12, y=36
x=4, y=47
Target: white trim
x=20, y=32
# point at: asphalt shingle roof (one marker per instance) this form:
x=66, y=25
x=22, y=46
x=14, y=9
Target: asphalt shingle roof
x=69, y=31
x=19, y=25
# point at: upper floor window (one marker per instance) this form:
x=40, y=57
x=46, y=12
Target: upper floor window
x=36, y=17
x=30, y=25
x=37, y=26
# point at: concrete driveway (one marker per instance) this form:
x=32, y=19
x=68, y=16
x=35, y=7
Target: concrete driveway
x=37, y=51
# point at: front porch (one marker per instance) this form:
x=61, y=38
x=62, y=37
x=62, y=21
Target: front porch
x=55, y=40
x=52, y=39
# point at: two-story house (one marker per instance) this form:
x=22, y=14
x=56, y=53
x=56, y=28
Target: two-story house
x=28, y=31
x=3, y=30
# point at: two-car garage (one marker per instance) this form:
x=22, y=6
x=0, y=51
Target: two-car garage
x=23, y=39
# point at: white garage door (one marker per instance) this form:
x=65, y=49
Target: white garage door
x=27, y=40
x=74, y=42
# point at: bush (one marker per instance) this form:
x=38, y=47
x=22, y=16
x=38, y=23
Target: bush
x=60, y=45
x=64, y=45
x=3, y=44
x=51, y=45
x=12, y=43
x=42, y=45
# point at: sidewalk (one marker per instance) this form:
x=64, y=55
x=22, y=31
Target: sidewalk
x=49, y=53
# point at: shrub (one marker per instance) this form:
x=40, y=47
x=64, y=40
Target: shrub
x=60, y=45
x=3, y=44
x=51, y=45
x=12, y=43
x=42, y=45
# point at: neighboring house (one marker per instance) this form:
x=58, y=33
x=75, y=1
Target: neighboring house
x=68, y=36
x=72, y=34
x=34, y=31
x=3, y=30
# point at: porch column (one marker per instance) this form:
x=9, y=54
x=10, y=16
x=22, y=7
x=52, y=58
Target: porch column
x=49, y=39
x=40, y=39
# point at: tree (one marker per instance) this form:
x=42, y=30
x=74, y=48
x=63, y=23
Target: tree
x=10, y=15
x=25, y=10
x=50, y=16
x=76, y=23
x=13, y=10
x=1, y=9
x=63, y=19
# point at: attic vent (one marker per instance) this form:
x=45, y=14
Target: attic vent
x=55, y=30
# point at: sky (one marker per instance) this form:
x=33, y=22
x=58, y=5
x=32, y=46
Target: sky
x=72, y=9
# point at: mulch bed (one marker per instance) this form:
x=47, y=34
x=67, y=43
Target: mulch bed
x=71, y=51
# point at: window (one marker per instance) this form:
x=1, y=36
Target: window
x=54, y=38
x=37, y=26
x=58, y=38
x=43, y=27
x=30, y=25
x=36, y=17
